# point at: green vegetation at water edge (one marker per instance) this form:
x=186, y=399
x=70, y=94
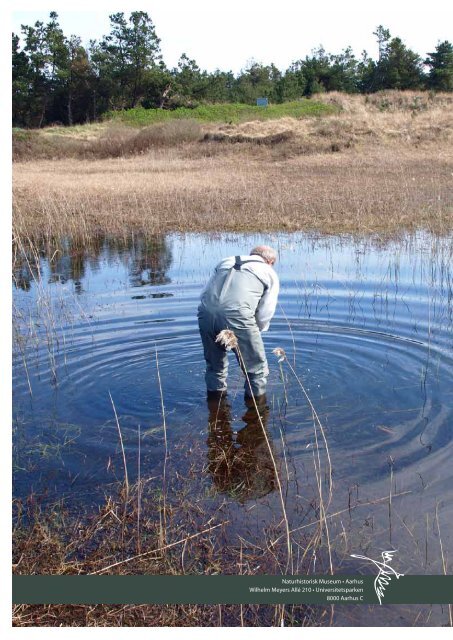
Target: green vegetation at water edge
x=233, y=113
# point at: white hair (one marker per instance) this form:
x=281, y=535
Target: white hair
x=267, y=253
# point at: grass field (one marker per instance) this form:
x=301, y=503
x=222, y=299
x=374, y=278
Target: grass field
x=376, y=164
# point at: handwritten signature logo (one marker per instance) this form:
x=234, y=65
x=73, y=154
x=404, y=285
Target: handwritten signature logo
x=385, y=572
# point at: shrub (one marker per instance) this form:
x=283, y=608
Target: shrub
x=169, y=133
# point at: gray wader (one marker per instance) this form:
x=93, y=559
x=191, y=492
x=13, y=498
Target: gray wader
x=230, y=302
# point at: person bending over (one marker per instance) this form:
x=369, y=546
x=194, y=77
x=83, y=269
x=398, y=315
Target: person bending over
x=240, y=296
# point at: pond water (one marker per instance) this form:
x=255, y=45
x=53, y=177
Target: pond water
x=368, y=330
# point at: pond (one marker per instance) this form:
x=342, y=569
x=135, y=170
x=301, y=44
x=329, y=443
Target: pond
x=106, y=341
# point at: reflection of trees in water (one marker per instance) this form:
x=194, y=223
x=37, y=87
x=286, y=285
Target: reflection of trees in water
x=68, y=267
x=239, y=464
x=61, y=261
x=25, y=271
x=148, y=259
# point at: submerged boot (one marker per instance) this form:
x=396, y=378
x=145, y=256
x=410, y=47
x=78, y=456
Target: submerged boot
x=216, y=395
x=261, y=401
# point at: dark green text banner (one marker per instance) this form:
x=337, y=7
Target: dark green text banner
x=146, y=589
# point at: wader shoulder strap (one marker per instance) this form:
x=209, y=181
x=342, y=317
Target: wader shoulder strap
x=238, y=264
x=237, y=267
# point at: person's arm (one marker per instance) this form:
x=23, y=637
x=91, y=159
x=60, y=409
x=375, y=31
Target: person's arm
x=266, y=307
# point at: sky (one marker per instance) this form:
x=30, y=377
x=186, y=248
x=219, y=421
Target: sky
x=228, y=35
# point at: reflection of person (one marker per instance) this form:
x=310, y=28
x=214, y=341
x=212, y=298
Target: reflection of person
x=241, y=466
x=241, y=296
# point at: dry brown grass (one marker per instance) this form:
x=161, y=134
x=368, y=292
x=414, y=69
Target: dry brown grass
x=102, y=141
x=352, y=192
x=368, y=169
x=195, y=615
x=53, y=540
x=406, y=118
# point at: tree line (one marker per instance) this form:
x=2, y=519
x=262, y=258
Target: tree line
x=57, y=80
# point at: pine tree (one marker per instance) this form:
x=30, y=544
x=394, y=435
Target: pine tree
x=440, y=76
x=125, y=55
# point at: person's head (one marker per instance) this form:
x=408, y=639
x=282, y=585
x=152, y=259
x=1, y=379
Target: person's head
x=268, y=254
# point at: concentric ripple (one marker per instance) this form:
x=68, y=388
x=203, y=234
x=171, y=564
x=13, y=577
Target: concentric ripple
x=368, y=330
